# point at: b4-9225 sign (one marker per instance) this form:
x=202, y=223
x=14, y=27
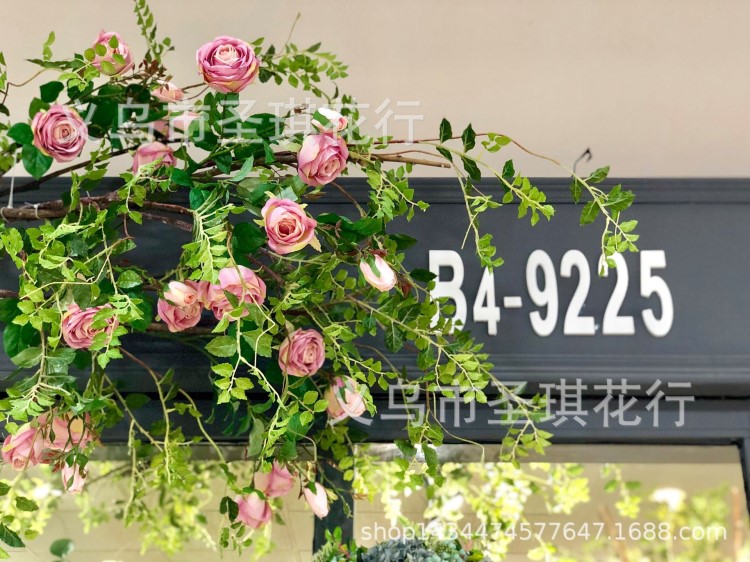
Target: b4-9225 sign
x=678, y=310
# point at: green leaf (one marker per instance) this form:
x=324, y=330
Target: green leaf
x=62, y=547
x=445, y=153
x=576, y=190
x=255, y=439
x=4, y=489
x=229, y=507
x=29, y=357
x=34, y=161
x=469, y=138
x=21, y=133
x=129, y=279
x=589, y=213
x=222, y=346
x=446, y=132
x=10, y=538
x=423, y=275
x=25, y=504
x=50, y=91
x=247, y=167
x=136, y=400
x=247, y=238
x=8, y=310
x=181, y=177
x=598, y=175
x=471, y=168
x=394, y=338
x=46, y=48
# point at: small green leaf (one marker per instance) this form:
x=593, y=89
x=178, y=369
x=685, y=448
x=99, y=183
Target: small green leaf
x=247, y=238
x=21, y=133
x=469, y=138
x=50, y=91
x=4, y=489
x=10, y=538
x=589, y=213
x=446, y=132
x=136, y=400
x=25, y=504
x=62, y=547
x=34, y=161
x=247, y=167
x=129, y=279
x=471, y=168
x=222, y=346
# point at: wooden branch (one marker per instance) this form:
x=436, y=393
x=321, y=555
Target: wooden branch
x=182, y=225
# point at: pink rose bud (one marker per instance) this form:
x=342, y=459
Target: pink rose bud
x=179, y=318
x=344, y=399
x=65, y=433
x=168, y=93
x=276, y=483
x=317, y=500
x=24, y=448
x=73, y=478
x=254, y=511
x=182, y=121
x=336, y=122
x=227, y=64
x=242, y=283
x=384, y=279
x=321, y=159
x=302, y=353
x=182, y=294
x=122, y=50
x=151, y=152
x=76, y=326
x=59, y=132
x=287, y=226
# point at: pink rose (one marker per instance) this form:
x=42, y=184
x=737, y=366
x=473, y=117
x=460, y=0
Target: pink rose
x=254, y=511
x=73, y=478
x=168, y=92
x=65, y=433
x=321, y=159
x=242, y=283
x=344, y=399
x=76, y=326
x=59, y=132
x=179, y=123
x=24, y=448
x=124, y=60
x=179, y=318
x=151, y=152
x=317, y=500
x=336, y=121
x=287, y=225
x=276, y=483
x=384, y=279
x=302, y=353
x=227, y=64
x=182, y=294
x=201, y=289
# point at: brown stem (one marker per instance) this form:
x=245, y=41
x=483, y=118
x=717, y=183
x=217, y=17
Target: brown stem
x=349, y=197
x=182, y=225
x=405, y=160
x=196, y=331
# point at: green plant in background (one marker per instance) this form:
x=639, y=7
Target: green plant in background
x=282, y=304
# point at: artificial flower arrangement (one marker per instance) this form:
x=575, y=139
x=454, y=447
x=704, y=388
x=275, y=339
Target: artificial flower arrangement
x=280, y=301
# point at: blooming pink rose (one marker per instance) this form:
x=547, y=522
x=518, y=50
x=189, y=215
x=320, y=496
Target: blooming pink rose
x=151, y=152
x=73, y=478
x=384, y=279
x=122, y=49
x=276, y=483
x=254, y=511
x=344, y=399
x=168, y=92
x=227, y=64
x=287, y=225
x=321, y=159
x=317, y=500
x=59, y=132
x=65, y=433
x=24, y=448
x=76, y=326
x=336, y=121
x=179, y=318
x=302, y=353
x=239, y=281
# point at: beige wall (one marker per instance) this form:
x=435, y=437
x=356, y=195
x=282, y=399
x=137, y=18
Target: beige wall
x=655, y=88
